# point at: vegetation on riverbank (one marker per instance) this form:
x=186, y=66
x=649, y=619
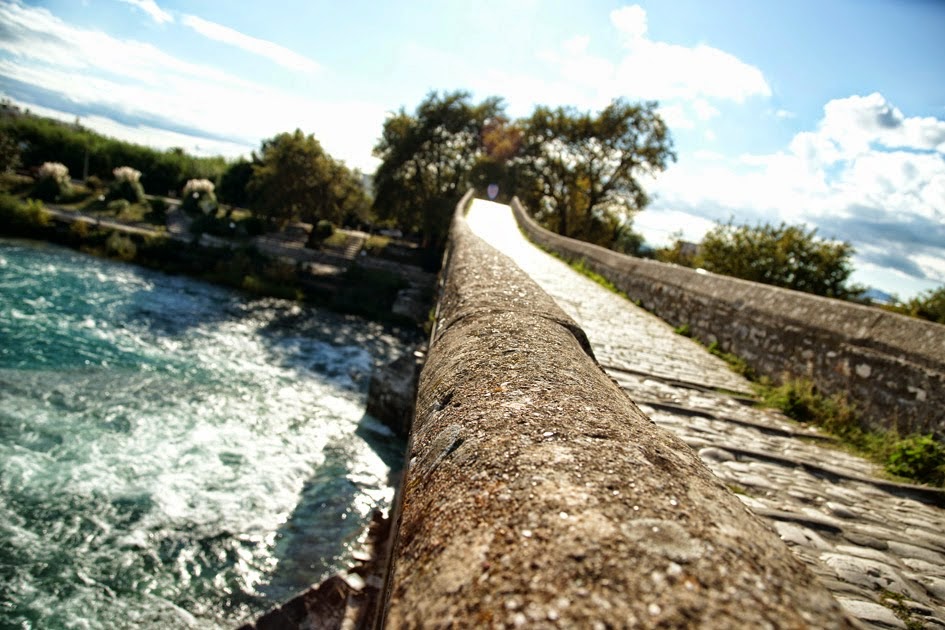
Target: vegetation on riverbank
x=917, y=458
x=357, y=290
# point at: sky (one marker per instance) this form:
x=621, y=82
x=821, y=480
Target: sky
x=830, y=114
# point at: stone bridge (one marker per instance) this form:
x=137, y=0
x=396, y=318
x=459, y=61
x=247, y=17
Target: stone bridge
x=574, y=463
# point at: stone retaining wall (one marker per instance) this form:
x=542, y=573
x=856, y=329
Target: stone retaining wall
x=537, y=493
x=891, y=367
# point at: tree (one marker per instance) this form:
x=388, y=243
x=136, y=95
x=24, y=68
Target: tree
x=786, y=256
x=929, y=305
x=234, y=183
x=579, y=171
x=290, y=178
x=426, y=161
x=9, y=153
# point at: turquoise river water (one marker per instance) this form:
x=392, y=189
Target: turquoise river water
x=173, y=454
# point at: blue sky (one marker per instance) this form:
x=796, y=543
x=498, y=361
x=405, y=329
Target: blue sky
x=827, y=113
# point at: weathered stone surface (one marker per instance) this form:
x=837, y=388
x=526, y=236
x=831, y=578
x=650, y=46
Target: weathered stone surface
x=874, y=613
x=892, y=366
x=677, y=383
x=538, y=493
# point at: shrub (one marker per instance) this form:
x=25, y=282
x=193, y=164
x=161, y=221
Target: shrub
x=158, y=210
x=79, y=229
x=323, y=229
x=18, y=217
x=52, y=182
x=15, y=183
x=918, y=457
x=127, y=185
x=198, y=197
x=120, y=247
x=118, y=206
x=94, y=182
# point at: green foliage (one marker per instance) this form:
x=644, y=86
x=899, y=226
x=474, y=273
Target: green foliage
x=46, y=140
x=158, y=213
x=125, y=190
x=426, y=161
x=683, y=330
x=375, y=244
x=929, y=305
x=295, y=179
x=578, y=171
x=9, y=153
x=322, y=230
x=918, y=457
x=235, y=182
x=118, y=206
x=897, y=602
x=22, y=218
x=198, y=198
x=680, y=252
x=799, y=399
x=786, y=256
x=120, y=246
x=14, y=183
x=738, y=364
x=49, y=189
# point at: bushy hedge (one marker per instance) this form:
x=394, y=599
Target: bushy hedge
x=47, y=140
x=127, y=185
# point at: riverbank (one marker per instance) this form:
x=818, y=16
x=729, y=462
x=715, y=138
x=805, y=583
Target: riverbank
x=347, y=277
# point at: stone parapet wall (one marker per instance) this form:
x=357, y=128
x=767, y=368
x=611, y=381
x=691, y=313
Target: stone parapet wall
x=890, y=366
x=538, y=494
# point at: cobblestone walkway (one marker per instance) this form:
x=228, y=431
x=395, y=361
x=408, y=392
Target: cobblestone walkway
x=877, y=546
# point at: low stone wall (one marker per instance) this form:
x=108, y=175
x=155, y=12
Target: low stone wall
x=891, y=367
x=537, y=493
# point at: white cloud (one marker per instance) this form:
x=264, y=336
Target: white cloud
x=867, y=174
x=784, y=114
x=856, y=122
x=129, y=81
x=660, y=70
x=150, y=7
x=657, y=70
x=704, y=110
x=270, y=50
x=630, y=22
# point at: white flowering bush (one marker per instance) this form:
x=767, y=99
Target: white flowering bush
x=198, y=196
x=200, y=186
x=127, y=185
x=126, y=174
x=54, y=170
x=52, y=182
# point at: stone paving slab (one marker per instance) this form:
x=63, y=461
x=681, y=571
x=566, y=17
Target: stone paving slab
x=877, y=546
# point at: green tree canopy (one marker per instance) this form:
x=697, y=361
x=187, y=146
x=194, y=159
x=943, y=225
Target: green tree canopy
x=290, y=177
x=929, y=305
x=234, y=183
x=579, y=171
x=786, y=256
x=293, y=178
x=427, y=158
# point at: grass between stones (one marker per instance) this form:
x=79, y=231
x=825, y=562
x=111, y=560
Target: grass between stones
x=896, y=602
x=916, y=458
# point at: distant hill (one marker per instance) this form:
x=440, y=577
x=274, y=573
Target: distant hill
x=879, y=297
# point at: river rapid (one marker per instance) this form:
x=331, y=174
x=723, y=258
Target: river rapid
x=174, y=454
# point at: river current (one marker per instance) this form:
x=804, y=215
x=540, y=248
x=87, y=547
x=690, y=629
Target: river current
x=174, y=454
